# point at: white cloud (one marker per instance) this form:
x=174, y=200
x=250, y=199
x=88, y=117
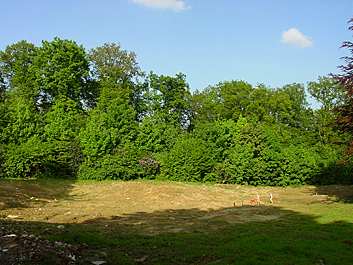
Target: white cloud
x=176, y=5
x=294, y=37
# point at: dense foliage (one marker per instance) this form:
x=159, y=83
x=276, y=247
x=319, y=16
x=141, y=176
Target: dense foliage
x=66, y=112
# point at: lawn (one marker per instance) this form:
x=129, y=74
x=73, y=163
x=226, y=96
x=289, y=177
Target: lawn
x=149, y=222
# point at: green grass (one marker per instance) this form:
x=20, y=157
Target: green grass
x=291, y=240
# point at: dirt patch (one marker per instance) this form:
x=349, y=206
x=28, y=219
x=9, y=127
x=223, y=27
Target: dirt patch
x=243, y=215
x=150, y=207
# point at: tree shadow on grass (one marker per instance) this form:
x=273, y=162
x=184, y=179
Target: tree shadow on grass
x=29, y=193
x=336, y=173
x=337, y=192
x=234, y=235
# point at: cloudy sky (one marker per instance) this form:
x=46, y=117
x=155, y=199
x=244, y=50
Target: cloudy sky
x=273, y=42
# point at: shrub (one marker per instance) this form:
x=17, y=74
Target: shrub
x=190, y=159
x=123, y=164
x=155, y=135
x=28, y=159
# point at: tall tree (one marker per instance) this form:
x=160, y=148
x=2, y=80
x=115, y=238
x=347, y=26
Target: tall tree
x=63, y=123
x=15, y=64
x=110, y=124
x=169, y=98
x=297, y=114
x=61, y=69
x=106, y=140
x=327, y=91
x=115, y=67
x=111, y=62
x=330, y=95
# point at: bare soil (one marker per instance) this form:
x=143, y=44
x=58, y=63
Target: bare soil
x=154, y=207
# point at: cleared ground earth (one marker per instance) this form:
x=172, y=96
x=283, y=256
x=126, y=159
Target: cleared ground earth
x=146, y=222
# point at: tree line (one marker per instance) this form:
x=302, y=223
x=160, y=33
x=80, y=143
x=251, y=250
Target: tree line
x=68, y=112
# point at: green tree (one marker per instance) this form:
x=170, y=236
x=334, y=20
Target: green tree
x=226, y=100
x=63, y=123
x=64, y=120
x=297, y=112
x=24, y=152
x=110, y=124
x=206, y=105
x=155, y=135
x=106, y=140
x=331, y=96
x=61, y=69
x=23, y=121
x=190, y=159
x=328, y=92
x=15, y=69
x=170, y=99
x=111, y=62
x=235, y=98
x=113, y=66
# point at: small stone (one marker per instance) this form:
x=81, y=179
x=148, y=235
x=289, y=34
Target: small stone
x=60, y=244
x=12, y=216
x=12, y=246
x=142, y=259
x=10, y=235
x=99, y=262
x=104, y=254
x=60, y=227
x=46, y=230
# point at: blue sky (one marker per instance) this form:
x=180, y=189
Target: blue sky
x=208, y=40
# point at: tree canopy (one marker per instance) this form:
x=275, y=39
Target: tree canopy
x=66, y=112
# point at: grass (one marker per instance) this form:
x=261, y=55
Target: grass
x=176, y=223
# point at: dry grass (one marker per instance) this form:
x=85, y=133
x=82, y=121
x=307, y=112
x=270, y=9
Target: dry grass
x=156, y=207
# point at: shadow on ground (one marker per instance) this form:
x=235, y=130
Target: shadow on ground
x=339, y=192
x=27, y=193
x=200, y=237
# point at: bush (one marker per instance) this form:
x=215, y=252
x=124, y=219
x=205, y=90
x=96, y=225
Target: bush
x=29, y=159
x=190, y=159
x=262, y=156
x=155, y=136
x=36, y=158
x=298, y=164
x=150, y=166
x=123, y=164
